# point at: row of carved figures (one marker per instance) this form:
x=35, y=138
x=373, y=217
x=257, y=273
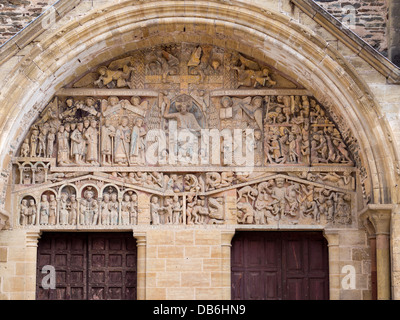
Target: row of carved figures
x=68, y=210
x=279, y=199
x=199, y=210
x=287, y=130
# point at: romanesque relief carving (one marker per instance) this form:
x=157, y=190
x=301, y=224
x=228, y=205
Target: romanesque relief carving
x=186, y=134
x=251, y=74
x=27, y=211
x=166, y=210
x=284, y=200
x=63, y=205
x=201, y=210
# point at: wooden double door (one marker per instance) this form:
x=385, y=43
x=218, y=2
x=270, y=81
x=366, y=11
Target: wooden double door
x=88, y=266
x=279, y=266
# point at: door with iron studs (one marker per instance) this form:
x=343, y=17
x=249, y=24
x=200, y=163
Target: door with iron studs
x=88, y=266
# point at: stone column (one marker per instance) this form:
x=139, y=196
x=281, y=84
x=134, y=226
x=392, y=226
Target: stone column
x=226, y=244
x=31, y=242
x=374, y=281
x=334, y=266
x=141, y=264
x=380, y=216
x=364, y=218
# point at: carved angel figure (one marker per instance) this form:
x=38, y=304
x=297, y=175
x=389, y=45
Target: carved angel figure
x=113, y=78
x=250, y=74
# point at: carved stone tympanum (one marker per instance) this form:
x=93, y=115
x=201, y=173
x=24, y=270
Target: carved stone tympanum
x=186, y=134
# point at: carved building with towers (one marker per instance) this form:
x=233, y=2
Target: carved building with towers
x=197, y=150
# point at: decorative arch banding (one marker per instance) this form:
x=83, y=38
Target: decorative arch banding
x=300, y=58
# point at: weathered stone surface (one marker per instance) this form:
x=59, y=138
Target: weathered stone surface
x=197, y=257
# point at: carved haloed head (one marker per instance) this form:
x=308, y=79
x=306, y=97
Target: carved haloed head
x=181, y=107
x=69, y=102
x=102, y=71
x=135, y=100
x=113, y=100
x=183, y=104
x=265, y=72
x=226, y=102
x=89, y=194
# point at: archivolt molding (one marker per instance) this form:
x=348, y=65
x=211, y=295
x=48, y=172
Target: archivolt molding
x=72, y=47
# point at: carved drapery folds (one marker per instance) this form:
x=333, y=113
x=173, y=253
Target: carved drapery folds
x=181, y=134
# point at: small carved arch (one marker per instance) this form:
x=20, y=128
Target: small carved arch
x=68, y=188
x=28, y=210
x=47, y=207
x=86, y=187
x=111, y=186
x=129, y=208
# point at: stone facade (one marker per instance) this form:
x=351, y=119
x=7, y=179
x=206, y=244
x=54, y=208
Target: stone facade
x=371, y=23
x=15, y=15
x=370, y=18
x=335, y=82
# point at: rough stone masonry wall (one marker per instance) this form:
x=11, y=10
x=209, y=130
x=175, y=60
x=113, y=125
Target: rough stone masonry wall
x=16, y=14
x=371, y=19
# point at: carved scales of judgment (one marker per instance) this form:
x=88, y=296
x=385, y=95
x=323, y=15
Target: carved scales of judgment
x=186, y=134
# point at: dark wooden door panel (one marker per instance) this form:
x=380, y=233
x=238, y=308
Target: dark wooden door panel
x=279, y=265
x=112, y=265
x=68, y=255
x=95, y=266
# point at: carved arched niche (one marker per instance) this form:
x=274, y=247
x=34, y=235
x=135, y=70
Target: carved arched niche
x=189, y=134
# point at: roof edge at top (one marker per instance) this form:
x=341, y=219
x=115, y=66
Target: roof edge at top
x=350, y=39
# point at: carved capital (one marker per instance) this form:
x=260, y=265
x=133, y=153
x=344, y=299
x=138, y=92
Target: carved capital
x=379, y=215
x=4, y=219
x=32, y=238
x=226, y=237
x=332, y=236
x=140, y=238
